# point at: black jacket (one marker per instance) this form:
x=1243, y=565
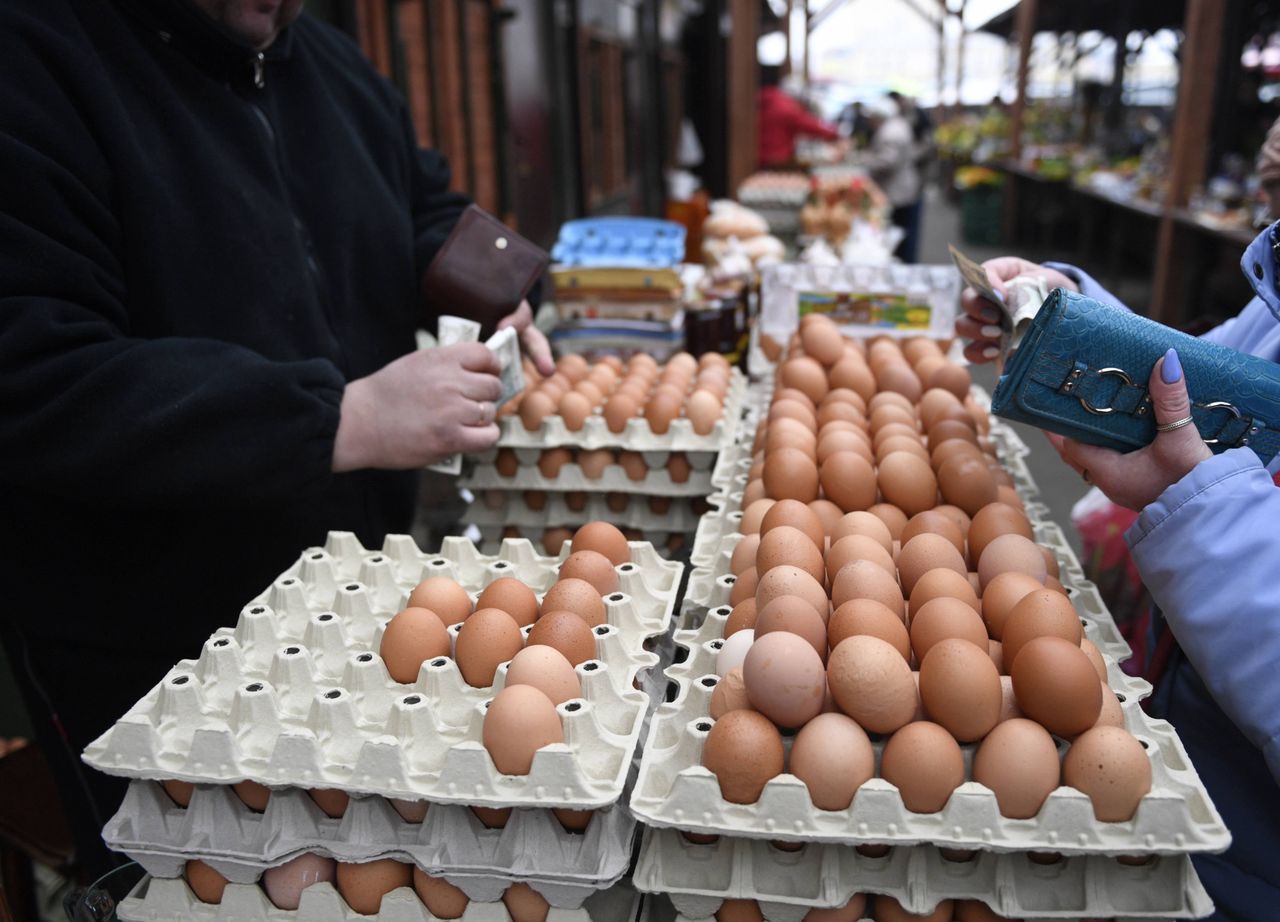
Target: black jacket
x=198, y=249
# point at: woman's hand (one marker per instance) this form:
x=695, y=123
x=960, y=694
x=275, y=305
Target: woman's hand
x=532, y=341
x=1136, y=479
x=980, y=321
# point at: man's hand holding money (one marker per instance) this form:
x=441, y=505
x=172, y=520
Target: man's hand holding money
x=532, y=342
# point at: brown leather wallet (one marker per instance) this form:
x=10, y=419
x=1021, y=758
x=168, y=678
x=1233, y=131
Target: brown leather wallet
x=483, y=271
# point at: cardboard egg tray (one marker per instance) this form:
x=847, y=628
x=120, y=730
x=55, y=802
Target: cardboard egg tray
x=674, y=790
x=512, y=509
x=492, y=536
x=159, y=900
x=450, y=841
x=721, y=520
x=296, y=693
x=613, y=479
x=637, y=436
x=787, y=884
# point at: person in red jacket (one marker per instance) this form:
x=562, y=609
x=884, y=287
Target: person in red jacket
x=783, y=119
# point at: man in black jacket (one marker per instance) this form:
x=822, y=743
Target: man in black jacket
x=213, y=224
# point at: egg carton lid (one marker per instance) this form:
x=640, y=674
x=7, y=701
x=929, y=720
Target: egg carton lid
x=787, y=884
x=366, y=733
x=514, y=510
x=219, y=829
x=637, y=436
x=159, y=900
x=613, y=479
x=675, y=790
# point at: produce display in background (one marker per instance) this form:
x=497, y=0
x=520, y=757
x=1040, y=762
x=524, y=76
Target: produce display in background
x=737, y=244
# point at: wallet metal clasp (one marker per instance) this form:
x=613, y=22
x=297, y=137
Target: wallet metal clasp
x=1114, y=372
x=1234, y=415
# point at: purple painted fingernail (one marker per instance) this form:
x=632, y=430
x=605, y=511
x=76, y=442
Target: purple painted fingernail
x=1171, y=370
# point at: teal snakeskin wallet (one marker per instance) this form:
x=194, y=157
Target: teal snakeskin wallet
x=1082, y=368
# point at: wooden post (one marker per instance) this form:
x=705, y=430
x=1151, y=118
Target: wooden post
x=960, y=42
x=1025, y=25
x=786, y=33
x=1192, y=121
x=744, y=82
x=804, y=49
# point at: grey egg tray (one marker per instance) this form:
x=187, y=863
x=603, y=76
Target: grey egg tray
x=787, y=884
x=492, y=536
x=165, y=900
x=674, y=790
x=637, y=436
x=296, y=693
x=514, y=510
x=720, y=521
x=571, y=479
x=450, y=842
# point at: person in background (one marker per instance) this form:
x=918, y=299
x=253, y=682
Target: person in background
x=892, y=161
x=214, y=224
x=782, y=119
x=1206, y=547
x=855, y=125
x=1268, y=169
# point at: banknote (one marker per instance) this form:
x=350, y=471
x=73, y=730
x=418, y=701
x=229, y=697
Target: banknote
x=449, y=332
x=505, y=344
x=1018, y=307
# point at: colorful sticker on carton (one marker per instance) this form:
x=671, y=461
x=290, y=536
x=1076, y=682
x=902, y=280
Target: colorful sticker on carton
x=868, y=309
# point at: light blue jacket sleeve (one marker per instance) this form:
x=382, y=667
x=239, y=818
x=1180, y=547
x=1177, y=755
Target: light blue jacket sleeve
x=1089, y=286
x=1207, y=550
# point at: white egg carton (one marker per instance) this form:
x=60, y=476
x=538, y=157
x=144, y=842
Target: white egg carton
x=787, y=884
x=613, y=479
x=239, y=843
x=514, y=510
x=296, y=693
x=492, y=536
x=722, y=520
x=674, y=790
x=637, y=436
x=160, y=900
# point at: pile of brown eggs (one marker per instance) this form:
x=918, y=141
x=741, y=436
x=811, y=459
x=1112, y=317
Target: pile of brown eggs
x=888, y=583
x=362, y=886
x=685, y=387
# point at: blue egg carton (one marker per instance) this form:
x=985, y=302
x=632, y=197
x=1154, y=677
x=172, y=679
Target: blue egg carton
x=620, y=243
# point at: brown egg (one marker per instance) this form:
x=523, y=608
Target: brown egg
x=412, y=637
x=1050, y=562
x=1009, y=496
x=524, y=904
x=866, y=616
x=179, y=791
x=253, y=795
x=739, y=911
x=331, y=801
x=828, y=513
x=1008, y=553
x=364, y=885
x=621, y=409
x=744, y=587
x=851, y=911
x=893, y=517
x=206, y=883
x=1111, y=714
x=793, y=410
x=844, y=395
x=662, y=408
x=566, y=632
x=888, y=414
x=547, y=670
x=892, y=443
x=1112, y=767
x=605, y=539
x=908, y=483
x=896, y=430
x=794, y=614
x=507, y=464
x=848, y=481
x=730, y=694
x=833, y=441
x=799, y=396
x=744, y=751
x=927, y=552
x=966, y=482
x=1095, y=657
x=992, y=521
x=1056, y=685
x=444, y=597
x=754, y=491
x=853, y=373
x=487, y=638
x=935, y=404
x=956, y=514
x=888, y=909
x=805, y=375
x=442, y=899
x=944, y=618
x=954, y=378
x=899, y=378
x=960, y=688
x=632, y=464
x=1018, y=761
x=592, y=568
x=995, y=650
x=536, y=407
x=578, y=595
x=1001, y=595
x=872, y=683
x=742, y=617
x=1039, y=614
x=925, y=763
x=753, y=515
x=865, y=524
x=942, y=583
x=977, y=911
x=863, y=579
x=822, y=341
x=833, y=757
x=1009, y=704
x=553, y=540
x=704, y=411
x=744, y=554
x=784, y=676
x=794, y=514
x=857, y=547
x=519, y=721
x=791, y=580
x=512, y=596
x=784, y=545
x=942, y=452
x=830, y=412
x=594, y=463
x=574, y=409
x=790, y=474
x=890, y=397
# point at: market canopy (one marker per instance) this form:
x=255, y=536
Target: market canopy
x=1095, y=15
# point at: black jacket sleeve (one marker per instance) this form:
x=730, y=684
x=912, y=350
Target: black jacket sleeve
x=90, y=411
x=436, y=208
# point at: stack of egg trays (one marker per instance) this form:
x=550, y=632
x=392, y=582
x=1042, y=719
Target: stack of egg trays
x=158, y=900
x=613, y=479
x=296, y=694
x=787, y=884
x=512, y=510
